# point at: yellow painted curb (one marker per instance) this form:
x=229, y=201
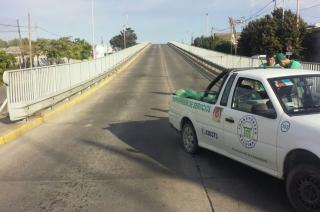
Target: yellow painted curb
x=25, y=127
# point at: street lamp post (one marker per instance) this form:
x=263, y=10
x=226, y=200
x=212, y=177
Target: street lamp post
x=92, y=23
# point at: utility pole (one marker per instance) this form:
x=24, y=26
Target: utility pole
x=124, y=36
x=212, y=34
x=298, y=13
x=92, y=23
x=20, y=47
x=283, y=6
x=233, y=37
x=30, y=47
x=191, y=38
x=124, y=32
x=35, y=38
x=231, y=33
x=275, y=4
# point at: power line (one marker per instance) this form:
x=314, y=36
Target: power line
x=47, y=31
x=37, y=27
x=11, y=31
x=259, y=12
x=9, y=25
x=313, y=6
x=256, y=14
x=220, y=30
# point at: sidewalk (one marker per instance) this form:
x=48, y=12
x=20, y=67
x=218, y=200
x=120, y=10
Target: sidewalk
x=3, y=94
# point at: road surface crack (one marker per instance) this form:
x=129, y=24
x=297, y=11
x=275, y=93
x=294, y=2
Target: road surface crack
x=203, y=184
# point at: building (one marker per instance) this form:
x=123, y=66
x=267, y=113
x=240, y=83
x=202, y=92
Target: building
x=226, y=36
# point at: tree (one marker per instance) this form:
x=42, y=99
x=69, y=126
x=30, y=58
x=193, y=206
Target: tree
x=272, y=33
x=223, y=46
x=3, y=44
x=81, y=49
x=64, y=47
x=41, y=47
x=13, y=42
x=118, y=40
x=204, y=42
x=216, y=43
x=6, y=61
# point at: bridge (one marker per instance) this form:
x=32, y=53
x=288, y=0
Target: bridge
x=112, y=149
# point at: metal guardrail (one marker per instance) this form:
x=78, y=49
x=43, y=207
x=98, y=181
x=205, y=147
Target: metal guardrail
x=218, y=58
x=231, y=61
x=311, y=66
x=31, y=90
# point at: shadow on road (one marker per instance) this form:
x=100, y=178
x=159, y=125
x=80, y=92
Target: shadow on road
x=161, y=110
x=162, y=93
x=220, y=174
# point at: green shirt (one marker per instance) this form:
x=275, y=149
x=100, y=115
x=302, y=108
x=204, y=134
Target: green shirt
x=265, y=65
x=294, y=65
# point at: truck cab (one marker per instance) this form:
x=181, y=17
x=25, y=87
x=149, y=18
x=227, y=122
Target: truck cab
x=265, y=118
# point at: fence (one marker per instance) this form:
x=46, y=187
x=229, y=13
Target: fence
x=231, y=61
x=311, y=66
x=33, y=89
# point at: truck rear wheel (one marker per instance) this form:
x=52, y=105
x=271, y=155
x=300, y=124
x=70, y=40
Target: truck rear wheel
x=189, y=138
x=303, y=187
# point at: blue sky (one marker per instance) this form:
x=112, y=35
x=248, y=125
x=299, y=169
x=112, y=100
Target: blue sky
x=157, y=21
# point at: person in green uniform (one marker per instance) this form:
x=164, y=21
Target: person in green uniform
x=271, y=62
x=286, y=63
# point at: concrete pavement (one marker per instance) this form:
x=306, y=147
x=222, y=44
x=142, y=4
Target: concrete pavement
x=116, y=152
x=3, y=95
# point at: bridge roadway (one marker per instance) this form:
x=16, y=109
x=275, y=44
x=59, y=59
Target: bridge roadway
x=116, y=152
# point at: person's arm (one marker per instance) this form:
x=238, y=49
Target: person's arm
x=263, y=65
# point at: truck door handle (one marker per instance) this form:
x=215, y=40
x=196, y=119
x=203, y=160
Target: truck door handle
x=230, y=119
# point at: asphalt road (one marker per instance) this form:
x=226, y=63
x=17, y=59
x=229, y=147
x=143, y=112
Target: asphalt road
x=116, y=152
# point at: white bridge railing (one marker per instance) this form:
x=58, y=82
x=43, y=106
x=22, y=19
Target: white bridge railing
x=231, y=61
x=311, y=66
x=33, y=89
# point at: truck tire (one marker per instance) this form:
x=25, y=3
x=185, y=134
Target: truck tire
x=189, y=138
x=303, y=187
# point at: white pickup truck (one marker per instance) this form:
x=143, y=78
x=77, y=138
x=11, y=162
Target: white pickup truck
x=268, y=119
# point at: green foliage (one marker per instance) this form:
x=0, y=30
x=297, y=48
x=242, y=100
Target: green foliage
x=215, y=43
x=271, y=33
x=223, y=46
x=82, y=49
x=3, y=44
x=13, y=42
x=118, y=40
x=204, y=42
x=55, y=50
x=6, y=62
x=64, y=47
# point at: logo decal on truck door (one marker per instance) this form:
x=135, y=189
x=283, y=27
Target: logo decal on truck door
x=216, y=114
x=248, y=131
x=285, y=126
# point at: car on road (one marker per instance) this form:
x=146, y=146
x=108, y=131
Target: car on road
x=268, y=119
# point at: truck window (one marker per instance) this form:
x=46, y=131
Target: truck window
x=213, y=90
x=250, y=96
x=226, y=92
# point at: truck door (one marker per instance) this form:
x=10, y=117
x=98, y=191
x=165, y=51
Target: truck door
x=250, y=124
x=210, y=125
